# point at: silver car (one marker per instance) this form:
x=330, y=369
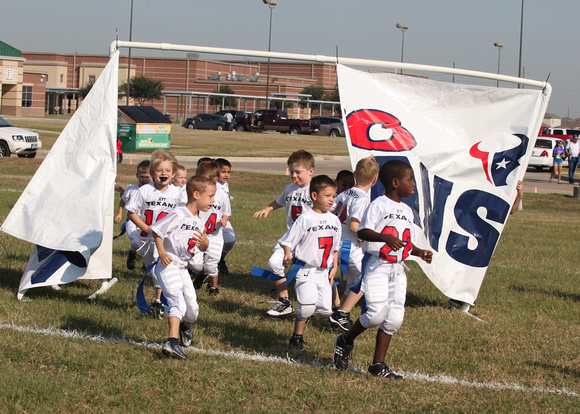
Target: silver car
x=330, y=125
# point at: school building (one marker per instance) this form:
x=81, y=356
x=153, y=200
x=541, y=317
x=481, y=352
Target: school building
x=38, y=83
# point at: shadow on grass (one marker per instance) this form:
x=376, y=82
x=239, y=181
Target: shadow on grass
x=10, y=279
x=90, y=327
x=574, y=297
x=562, y=370
x=417, y=301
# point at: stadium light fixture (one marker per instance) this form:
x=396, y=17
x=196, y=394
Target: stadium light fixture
x=271, y=4
x=403, y=28
x=499, y=46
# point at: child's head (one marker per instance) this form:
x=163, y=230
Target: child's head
x=143, y=174
x=344, y=181
x=180, y=178
x=204, y=159
x=163, y=167
x=301, y=167
x=322, y=192
x=225, y=169
x=208, y=169
x=366, y=171
x=397, y=176
x=201, y=190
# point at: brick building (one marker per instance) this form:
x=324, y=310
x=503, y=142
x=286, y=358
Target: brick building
x=49, y=82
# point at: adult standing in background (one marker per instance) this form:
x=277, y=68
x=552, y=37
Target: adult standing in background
x=572, y=151
x=228, y=118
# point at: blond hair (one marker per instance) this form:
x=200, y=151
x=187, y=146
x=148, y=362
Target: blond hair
x=197, y=183
x=302, y=158
x=367, y=169
x=159, y=156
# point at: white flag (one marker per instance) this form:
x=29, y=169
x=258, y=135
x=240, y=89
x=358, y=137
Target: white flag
x=468, y=146
x=67, y=208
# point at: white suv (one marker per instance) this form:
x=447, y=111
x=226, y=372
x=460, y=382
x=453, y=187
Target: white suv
x=19, y=141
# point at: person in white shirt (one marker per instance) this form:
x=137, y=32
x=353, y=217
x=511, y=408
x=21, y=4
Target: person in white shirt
x=572, y=151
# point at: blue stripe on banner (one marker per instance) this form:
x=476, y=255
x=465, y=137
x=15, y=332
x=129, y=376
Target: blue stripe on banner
x=49, y=261
x=344, y=255
x=139, y=298
x=123, y=229
x=356, y=288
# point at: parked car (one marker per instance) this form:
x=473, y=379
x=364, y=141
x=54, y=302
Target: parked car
x=241, y=119
x=19, y=141
x=277, y=120
x=542, y=153
x=330, y=125
x=205, y=121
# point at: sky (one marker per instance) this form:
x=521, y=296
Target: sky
x=441, y=33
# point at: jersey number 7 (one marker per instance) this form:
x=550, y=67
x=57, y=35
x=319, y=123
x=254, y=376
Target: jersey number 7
x=325, y=244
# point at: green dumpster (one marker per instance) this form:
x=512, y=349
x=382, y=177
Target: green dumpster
x=142, y=128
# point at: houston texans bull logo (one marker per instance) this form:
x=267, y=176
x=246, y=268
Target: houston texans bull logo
x=502, y=163
x=377, y=130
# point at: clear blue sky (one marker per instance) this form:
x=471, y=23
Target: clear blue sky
x=440, y=32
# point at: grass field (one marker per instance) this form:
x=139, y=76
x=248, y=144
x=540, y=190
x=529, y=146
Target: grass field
x=61, y=354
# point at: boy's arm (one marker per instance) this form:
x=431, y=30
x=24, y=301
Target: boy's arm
x=426, y=255
x=287, y=256
x=353, y=225
x=519, y=196
x=163, y=256
x=334, y=269
x=266, y=210
x=372, y=236
x=138, y=222
x=119, y=215
x=202, y=242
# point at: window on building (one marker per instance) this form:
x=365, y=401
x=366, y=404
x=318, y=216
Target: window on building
x=92, y=79
x=26, y=96
x=61, y=78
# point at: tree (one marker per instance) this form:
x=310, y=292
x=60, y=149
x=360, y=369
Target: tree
x=228, y=101
x=143, y=88
x=84, y=91
x=316, y=91
x=334, y=97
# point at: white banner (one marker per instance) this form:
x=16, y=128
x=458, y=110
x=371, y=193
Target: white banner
x=67, y=208
x=468, y=146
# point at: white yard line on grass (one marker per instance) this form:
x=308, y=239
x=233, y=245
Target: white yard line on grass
x=266, y=358
x=10, y=190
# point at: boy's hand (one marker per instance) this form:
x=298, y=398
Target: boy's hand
x=287, y=259
x=201, y=240
x=224, y=221
x=165, y=258
x=263, y=213
x=331, y=275
x=426, y=255
x=118, y=218
x=393, y=242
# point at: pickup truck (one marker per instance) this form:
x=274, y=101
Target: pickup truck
x=277, y=120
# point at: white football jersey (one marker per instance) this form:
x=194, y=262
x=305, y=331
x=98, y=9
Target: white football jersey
x=389, y=217
x=151, y=205
x=177, y=230
x=129, y=192
x=225, y=187
x=349, y=204
x=220, y=207
x=296, y=200
x=314, y=238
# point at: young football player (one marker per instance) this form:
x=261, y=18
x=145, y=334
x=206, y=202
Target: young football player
x=296, y=199
x=178, y=237
x=314, y=239
x=344, y=181
x=215, y=219
x=350, y=207
x=387, y=228
x=143, y=178
x=228, y=231
x=180, y=178
x=150, y=204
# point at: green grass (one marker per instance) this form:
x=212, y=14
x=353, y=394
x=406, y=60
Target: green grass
x=529, y=300
x=215, y=143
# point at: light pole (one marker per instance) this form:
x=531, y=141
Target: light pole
x=271, y=4
x=521, y=40
x=403, y=28
x=499, y=46
x=129, y=59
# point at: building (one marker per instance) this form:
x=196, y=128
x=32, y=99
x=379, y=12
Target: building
x=38, y=83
